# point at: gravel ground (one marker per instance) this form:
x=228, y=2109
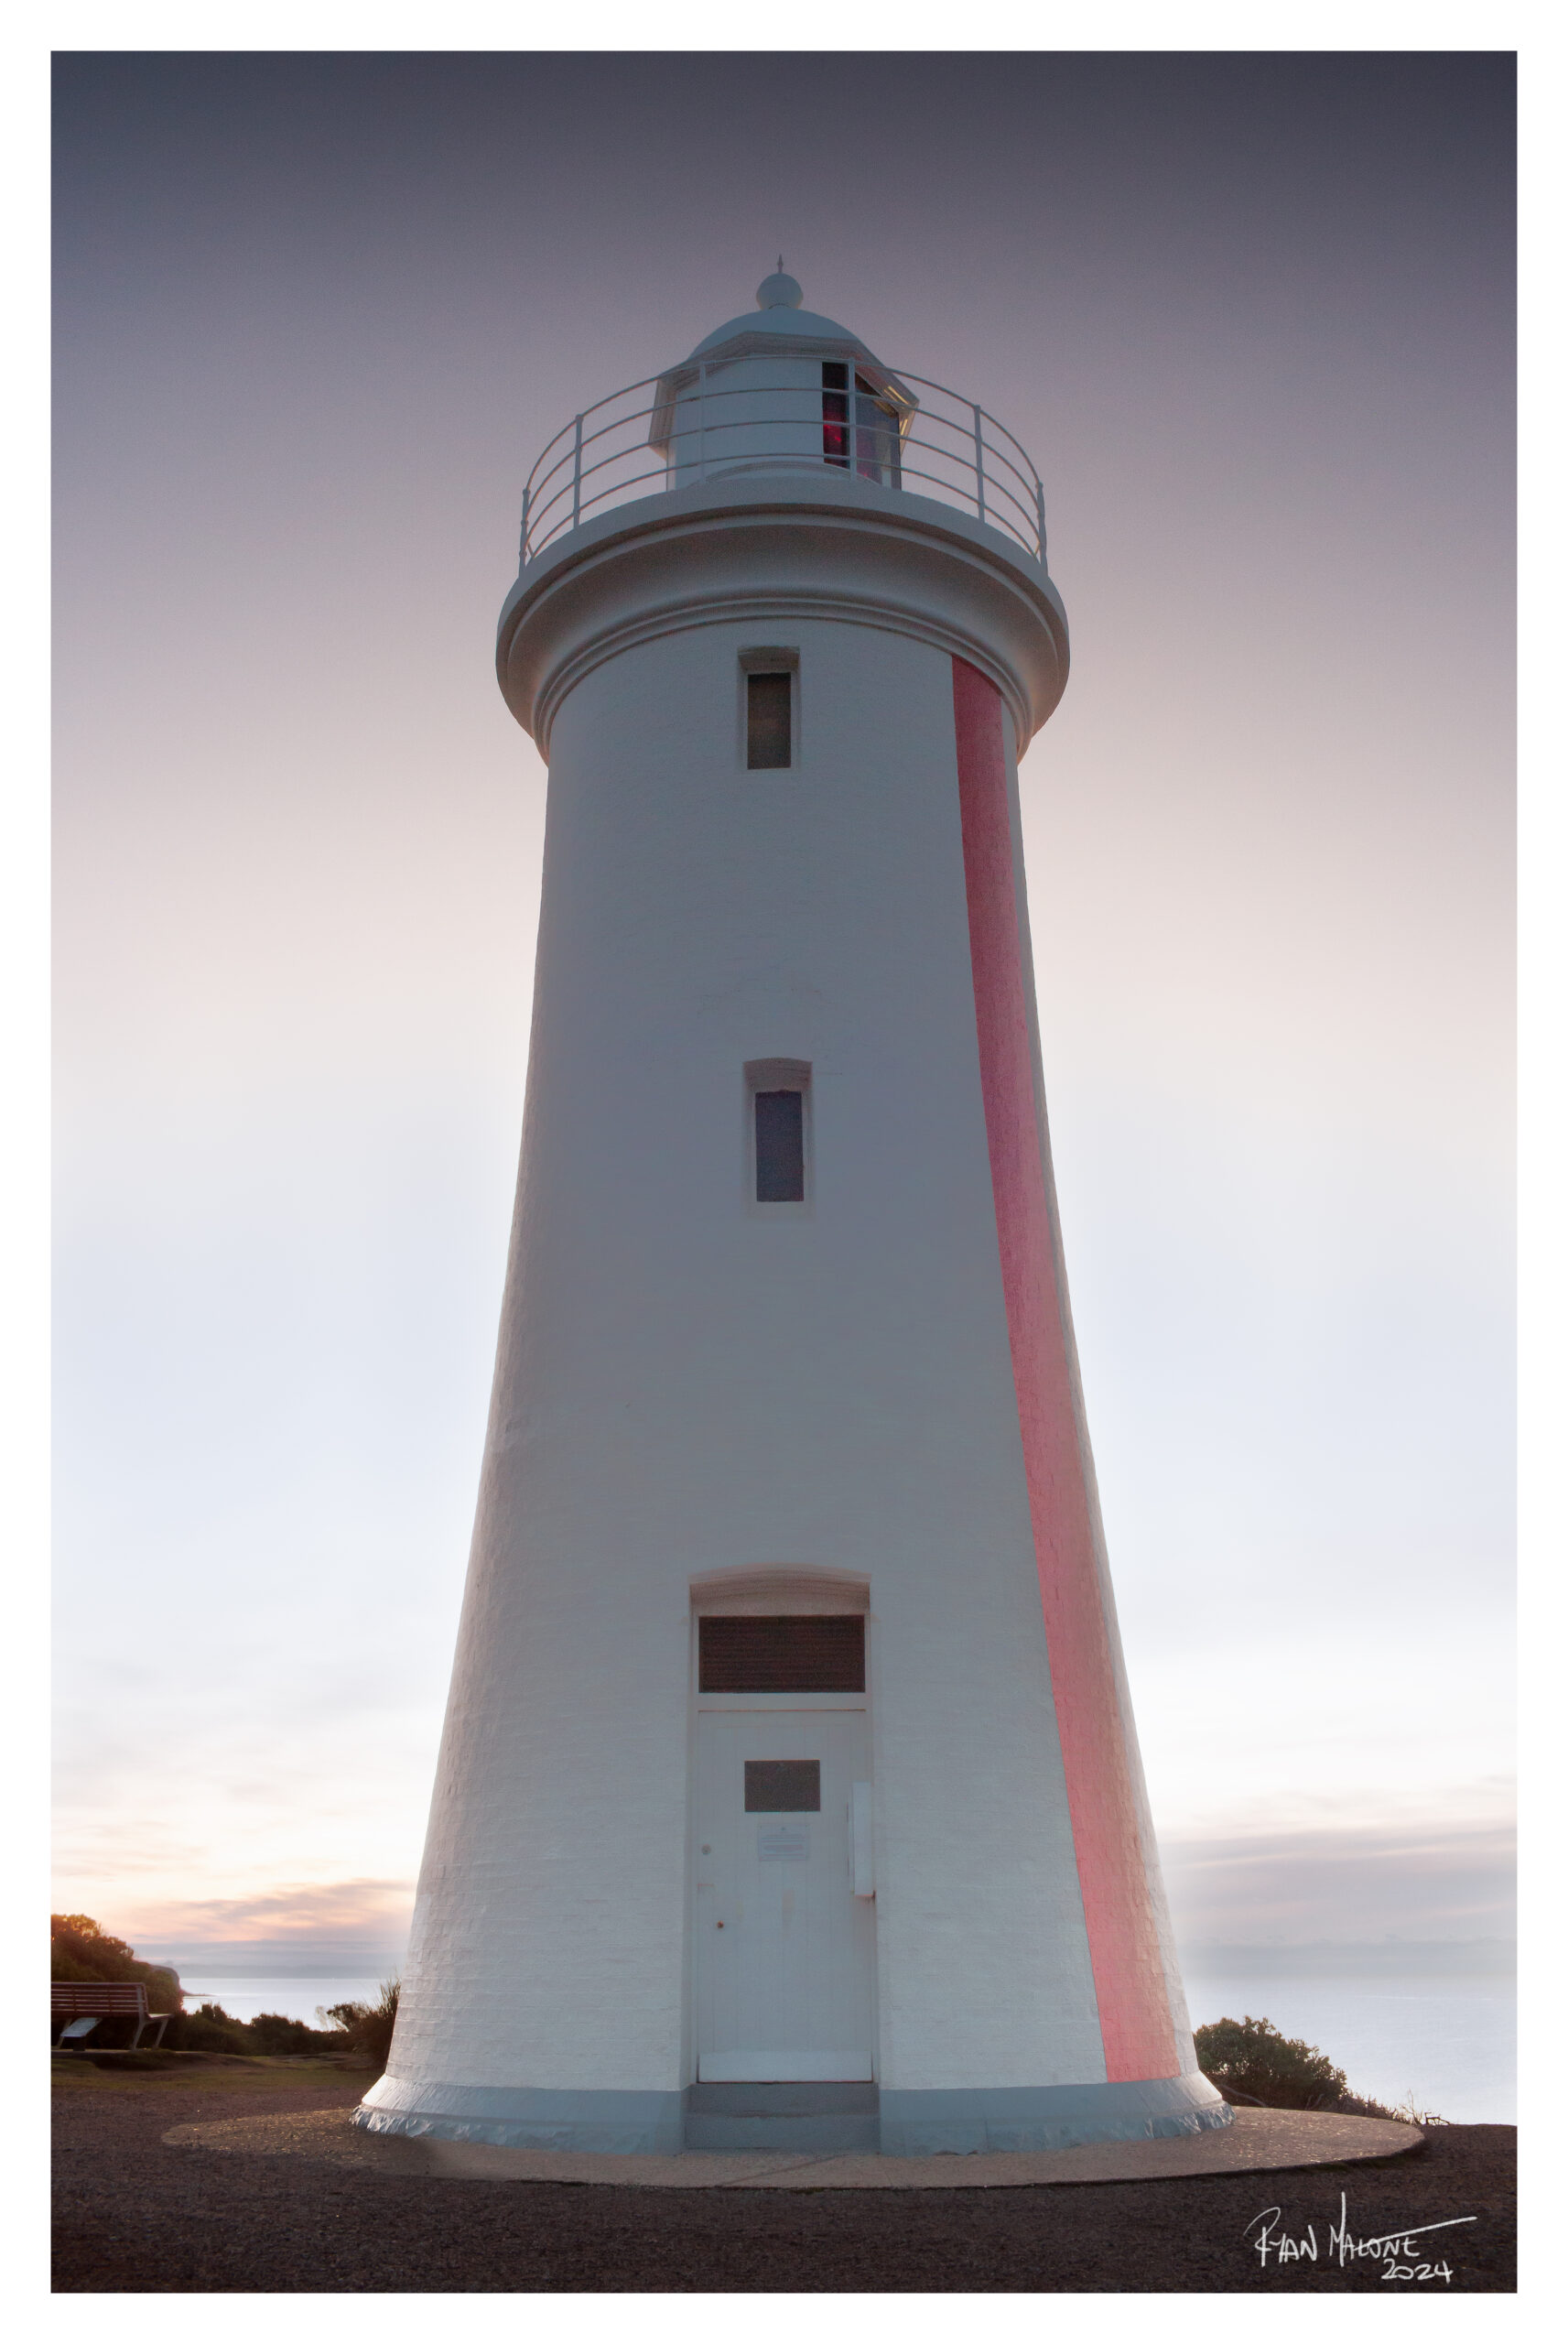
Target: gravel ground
x=135, y=2215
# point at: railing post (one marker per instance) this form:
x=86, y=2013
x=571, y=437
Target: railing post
x=1040, y=517
x=854, y=427
x=523, y=534
x=576, y=474
x=979, y=468
x=702, y=419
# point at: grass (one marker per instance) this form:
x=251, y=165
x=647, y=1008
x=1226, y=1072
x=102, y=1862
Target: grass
x=186, y=2071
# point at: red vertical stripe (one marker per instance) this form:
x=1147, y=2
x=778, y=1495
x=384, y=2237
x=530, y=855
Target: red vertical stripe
x=1124, y=1949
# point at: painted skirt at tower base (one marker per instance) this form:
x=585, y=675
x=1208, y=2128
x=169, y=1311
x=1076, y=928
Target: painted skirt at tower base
x=912, y=2123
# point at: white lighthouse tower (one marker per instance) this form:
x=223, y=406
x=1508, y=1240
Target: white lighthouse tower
x=789, y=1792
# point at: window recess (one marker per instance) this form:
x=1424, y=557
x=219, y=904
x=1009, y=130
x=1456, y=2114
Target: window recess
x=778, y=1097
x=768, y=698
x=770, y=708
x=781, y=1147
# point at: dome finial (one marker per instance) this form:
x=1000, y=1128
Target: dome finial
x=779, y=291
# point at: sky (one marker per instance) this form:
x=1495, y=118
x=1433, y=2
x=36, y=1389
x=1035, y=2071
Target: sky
x=1252, y=318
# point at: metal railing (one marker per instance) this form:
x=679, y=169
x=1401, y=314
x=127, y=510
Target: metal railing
x=696, y=422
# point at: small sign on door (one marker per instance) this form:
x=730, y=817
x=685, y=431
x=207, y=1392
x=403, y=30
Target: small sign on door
x=783, y=1843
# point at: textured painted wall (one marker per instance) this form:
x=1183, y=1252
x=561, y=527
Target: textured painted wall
x=1123, y=1934
x=683, y=1387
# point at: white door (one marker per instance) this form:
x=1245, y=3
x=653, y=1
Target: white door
x=785, y=1950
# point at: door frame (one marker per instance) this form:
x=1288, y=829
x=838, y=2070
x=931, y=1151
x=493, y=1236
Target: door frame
x=763, y=1590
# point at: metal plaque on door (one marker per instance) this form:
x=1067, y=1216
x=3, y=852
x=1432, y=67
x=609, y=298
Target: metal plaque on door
x=783, y=1843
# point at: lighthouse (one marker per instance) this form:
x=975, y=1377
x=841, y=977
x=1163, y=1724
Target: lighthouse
x=789, y=1793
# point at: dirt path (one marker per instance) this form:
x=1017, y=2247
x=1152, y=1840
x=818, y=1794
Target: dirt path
x=135, y=2215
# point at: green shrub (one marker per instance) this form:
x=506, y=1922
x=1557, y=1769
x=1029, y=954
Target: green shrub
x=208, y=2029
x=1249, y=2059
x=366, y=2027
x=281, y=2038
x=268, y=2035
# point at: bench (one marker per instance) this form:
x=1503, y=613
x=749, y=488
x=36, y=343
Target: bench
x=83, y=2005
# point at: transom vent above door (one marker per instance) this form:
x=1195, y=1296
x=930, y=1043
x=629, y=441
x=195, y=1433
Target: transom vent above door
x=795, y=1652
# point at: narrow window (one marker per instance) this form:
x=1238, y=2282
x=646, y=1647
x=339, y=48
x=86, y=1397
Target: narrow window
x=877, y=448
x=778, y=1138
x=781, y=1147
x=767, y=719
x=836, y=412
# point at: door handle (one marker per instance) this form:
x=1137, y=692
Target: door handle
x=862, y=1851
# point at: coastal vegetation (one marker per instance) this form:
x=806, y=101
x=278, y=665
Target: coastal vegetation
x=367, y=2025
x=81, y=1953
x=1247, y=2060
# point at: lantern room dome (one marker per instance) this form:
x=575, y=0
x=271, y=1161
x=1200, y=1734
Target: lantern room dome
x=777, y=321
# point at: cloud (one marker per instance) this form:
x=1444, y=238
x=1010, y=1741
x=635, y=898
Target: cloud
x=1412, y=1884
x=289, y=1917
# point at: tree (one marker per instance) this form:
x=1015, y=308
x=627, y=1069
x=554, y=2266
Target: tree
x=81, y=1953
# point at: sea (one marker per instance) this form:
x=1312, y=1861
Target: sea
x=283, y=1995
x=1446, y=2044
